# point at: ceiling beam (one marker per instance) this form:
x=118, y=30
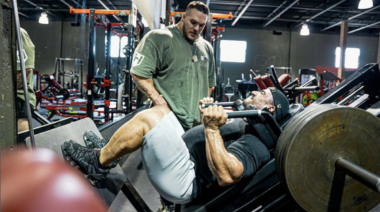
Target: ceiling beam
x=320, y=13
x=75, y=2
x=277, y=8
x=41, y=8
x=293, y=8
x=67, y=4
x=296, y=21
x=23, y=14
x=364, y=27
x=352, y=17
x=242, y=12
x=109, y=2
x=240, y=7
x=115, y=16
x=37, y=9
x=279, y=14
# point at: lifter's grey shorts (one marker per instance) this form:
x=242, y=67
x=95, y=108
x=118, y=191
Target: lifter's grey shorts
x=167, y=160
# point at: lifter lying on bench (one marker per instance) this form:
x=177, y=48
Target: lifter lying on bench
x=177, y=169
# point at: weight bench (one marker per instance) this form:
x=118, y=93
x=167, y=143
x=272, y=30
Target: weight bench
x=290, y=89
x=234, y=197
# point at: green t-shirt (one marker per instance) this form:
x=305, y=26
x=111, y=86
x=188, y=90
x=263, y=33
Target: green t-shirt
x=28, y=52
x=166, y=56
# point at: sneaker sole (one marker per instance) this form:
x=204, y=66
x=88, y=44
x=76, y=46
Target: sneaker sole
x=90, y=178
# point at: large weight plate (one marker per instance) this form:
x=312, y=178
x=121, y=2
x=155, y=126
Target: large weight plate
x=311, y=146
x=289, y=131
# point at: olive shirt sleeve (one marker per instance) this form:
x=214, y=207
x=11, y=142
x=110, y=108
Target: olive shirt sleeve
x=146, y=59
x=211, y=74
x=28, y=51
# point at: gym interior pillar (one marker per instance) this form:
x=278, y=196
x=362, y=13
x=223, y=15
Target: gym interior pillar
x=378, y=51
x=8, y=123
x=343, y=45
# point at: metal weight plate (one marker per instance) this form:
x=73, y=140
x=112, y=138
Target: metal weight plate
x=313, y=144
x=288, y=132
x=299, y=122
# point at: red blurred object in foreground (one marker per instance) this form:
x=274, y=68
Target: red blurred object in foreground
x=38, y=181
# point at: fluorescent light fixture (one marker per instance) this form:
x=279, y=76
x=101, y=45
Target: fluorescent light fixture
x=305, y=30
x=43, y=18
x=365, y=4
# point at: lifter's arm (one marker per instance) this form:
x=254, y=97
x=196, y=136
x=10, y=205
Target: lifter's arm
x=225, y=166
x=146, y=86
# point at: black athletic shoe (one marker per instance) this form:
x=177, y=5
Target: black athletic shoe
x=93, y=141
x=166, y=206
x=86, y=159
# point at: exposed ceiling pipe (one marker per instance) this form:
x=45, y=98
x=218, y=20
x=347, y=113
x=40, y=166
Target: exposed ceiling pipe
x=115, y=16
x=37, y=9
x=278, y=15
x=320, y=13
x=67, y=4
x=75, y=2
x=277, y=8
x=240, y=7
x=23, y=14
x=242, y=12
x=296, y=21
x=109, y=2
x=40, y=8
x=355, y=30
x=274, y=6
x=355, y=16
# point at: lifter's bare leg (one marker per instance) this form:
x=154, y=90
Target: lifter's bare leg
x=129, y=137
x=95, y=164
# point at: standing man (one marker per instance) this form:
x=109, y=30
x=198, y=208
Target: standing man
x=28, y=51
x=175, y=66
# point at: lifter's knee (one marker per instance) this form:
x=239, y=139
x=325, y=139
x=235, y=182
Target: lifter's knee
x=22, y=124
x=150, y=118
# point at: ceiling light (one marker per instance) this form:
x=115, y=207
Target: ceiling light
x=305, y=30
x=43, y=18
x=365, y=4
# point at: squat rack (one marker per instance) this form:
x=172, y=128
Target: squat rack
x=110, y=27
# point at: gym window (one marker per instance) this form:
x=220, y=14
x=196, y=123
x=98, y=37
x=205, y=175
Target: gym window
x=233, y=51
x=115, y=45
x=352, y=57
